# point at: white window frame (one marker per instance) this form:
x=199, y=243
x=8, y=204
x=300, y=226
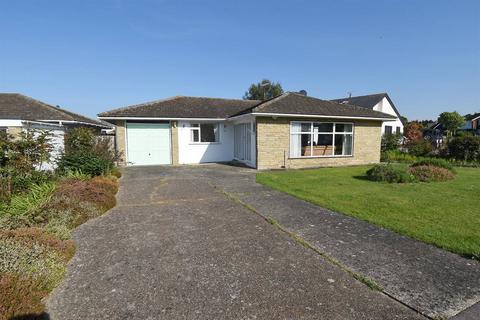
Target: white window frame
x=312, y=133
x=192, y=128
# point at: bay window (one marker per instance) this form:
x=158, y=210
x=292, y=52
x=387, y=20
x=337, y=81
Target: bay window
x=321, y=139
x=204, y=133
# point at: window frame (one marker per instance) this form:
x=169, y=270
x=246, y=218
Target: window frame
x=192, y=128
x=390, y=128
x=312, y=133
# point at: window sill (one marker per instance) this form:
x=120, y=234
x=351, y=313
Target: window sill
x=315, y=157
x=202, y=143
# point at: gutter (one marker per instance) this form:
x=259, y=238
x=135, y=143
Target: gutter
x=162, y=118
x=319, y=116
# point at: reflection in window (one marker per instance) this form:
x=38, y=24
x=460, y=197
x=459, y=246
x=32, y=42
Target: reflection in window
x=321, y=139
x=204, y=132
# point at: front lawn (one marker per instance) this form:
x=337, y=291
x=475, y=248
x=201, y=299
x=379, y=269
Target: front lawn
x=445, y=214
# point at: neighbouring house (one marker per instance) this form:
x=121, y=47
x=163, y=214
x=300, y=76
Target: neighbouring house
x=378, y=102
x=472, y=125
x=289, y=131
x=19, y=113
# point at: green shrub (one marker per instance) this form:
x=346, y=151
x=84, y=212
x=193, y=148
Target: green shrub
x=391, y=142
x=25, y=204
x=428, y=173
x=85, y=163
x=435, y=162
x=419, y=148
x=86, y=153
x=466, y=148
x=389, y=173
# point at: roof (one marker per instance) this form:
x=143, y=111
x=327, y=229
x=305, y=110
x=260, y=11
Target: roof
x=298, y=104
x=214, y=108
x=368, y=101
x=183, y=107
x=20, y=107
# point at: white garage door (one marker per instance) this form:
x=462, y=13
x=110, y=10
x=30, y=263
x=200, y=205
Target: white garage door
x=148, y=143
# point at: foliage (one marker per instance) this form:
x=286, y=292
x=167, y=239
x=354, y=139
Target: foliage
x=32, y=263
x=26, y=152
x=466, y=148
x=19, y=159
x=436, y=162
x=390, y=142
x=25, y=204
x=429, y=173
x=389, y=173
x=402, y=157
x=419, y=148
x=443, y=214
x=87, y=163
x=263, y=90
x=404, y=120
x=413, y=132
x=451, y=121
x=34, y=237
x=86, y=153
x=79, y=140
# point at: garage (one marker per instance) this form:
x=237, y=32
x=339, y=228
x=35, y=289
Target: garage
x=148, y=143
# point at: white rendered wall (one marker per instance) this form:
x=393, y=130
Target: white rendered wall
x=385, y=107
x=57, y=142
x=194, y=152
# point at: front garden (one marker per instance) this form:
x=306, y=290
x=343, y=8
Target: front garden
x=39, y=210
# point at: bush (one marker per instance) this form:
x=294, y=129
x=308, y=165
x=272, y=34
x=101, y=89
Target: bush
x=86, y=153
x=390, y=142
x=86, y=163
x=389, y=173
x=435, y=162
x=466, y=148
x=419, y=148
x=428, y=173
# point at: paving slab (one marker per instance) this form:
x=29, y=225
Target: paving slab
x=176, y=247
x=433, y=281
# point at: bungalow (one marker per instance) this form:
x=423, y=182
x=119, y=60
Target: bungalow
x=19, y=113
x=378, y=102
x=288, y=131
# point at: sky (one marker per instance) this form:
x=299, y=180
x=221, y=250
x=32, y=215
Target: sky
x=91, y=56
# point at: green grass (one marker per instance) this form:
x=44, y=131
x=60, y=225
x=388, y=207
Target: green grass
x=445, y=214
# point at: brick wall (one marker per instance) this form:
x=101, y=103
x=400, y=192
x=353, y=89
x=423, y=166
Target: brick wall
x=273, y=144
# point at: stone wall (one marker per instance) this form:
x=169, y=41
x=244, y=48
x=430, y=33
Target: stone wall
x=273, y=144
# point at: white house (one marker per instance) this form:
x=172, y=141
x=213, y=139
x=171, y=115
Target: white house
x=378, y=102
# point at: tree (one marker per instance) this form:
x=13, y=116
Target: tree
x=451, y=121
x=404, y=120
x=413, y=132
x=263, y=90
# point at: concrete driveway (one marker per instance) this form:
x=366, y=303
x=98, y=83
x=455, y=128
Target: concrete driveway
x=178, y=247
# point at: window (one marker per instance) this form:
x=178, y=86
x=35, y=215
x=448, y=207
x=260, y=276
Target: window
x=321, y=139
x=398, y=130
x=388, y=129
x=204, y=133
